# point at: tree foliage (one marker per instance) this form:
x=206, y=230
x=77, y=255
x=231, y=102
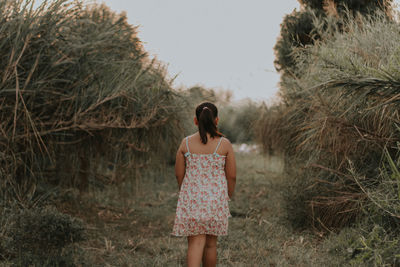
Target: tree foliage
x=362, y=6
x=298, y=29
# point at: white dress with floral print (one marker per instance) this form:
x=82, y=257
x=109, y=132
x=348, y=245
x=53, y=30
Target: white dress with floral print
x=202, y=206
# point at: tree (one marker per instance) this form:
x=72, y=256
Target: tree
x=362, y=6
x=298, y=29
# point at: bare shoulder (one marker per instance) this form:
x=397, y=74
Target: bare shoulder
x=225, y=140
x=226, y=143
x=183, y=141
x=182, y=145
x=188, y=138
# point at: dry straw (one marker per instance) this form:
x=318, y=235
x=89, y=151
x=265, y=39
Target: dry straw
x=81, y=102
x=343, y=108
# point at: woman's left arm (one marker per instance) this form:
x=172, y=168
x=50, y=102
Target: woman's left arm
x=180, y=164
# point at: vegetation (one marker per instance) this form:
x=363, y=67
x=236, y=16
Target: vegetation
x=299, y=29
x=39, y=237
x=79, y=97
x=338, y=126
x=81, y=106
x=83, y=109
x=362, y=6
x=238, y=120
x=125, y=229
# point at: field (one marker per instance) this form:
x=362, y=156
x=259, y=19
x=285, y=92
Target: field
x=129, y=229
x=88, y=136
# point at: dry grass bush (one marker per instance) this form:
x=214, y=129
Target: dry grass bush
x=338, y=126
x=274, y=122
x=345, y=107
x=81, y=102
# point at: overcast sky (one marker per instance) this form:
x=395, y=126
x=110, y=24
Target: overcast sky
x=224, y=44
x=215, y=43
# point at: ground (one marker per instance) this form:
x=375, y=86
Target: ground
x=131, y=225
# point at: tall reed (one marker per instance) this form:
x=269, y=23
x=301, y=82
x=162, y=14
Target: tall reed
x=81, y=103
x=344, y=108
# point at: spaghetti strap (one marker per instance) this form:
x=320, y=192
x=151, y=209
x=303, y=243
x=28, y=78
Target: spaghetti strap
x=218, y=145
x=187, y=144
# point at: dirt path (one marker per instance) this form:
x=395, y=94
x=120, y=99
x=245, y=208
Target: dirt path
x=127, y=230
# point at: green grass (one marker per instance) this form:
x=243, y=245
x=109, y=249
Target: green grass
x=131, y=225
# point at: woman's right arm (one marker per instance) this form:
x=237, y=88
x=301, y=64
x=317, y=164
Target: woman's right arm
x=230, y=169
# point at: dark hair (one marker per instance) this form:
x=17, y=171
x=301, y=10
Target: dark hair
x=206, y=113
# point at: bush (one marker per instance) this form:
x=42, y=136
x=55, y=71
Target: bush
x=78, y=94
x=299, y=29
x=342, y=110
x=365, y=245
x=40, y=236
x=340, y=132
x=238, y=119
x=362, y=6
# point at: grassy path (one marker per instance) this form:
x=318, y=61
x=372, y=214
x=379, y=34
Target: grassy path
x=127, y=230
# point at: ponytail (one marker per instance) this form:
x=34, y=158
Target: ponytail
x=206, y=114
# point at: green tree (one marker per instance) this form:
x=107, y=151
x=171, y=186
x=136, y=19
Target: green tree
x=362, y=6
x=296, y=31
x=298, y=28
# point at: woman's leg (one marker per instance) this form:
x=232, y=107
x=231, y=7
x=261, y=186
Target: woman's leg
x=210, y=251
x=196, y=245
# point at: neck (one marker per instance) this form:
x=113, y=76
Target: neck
x=208, y=135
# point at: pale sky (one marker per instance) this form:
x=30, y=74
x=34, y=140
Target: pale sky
x=225, y=44
x=215, y=43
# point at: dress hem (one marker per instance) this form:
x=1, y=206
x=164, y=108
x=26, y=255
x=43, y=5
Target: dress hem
x=197, y=233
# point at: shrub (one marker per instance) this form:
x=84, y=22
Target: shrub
x=78, y=94
x=365, y=245
x=296, y=31
x=340, y=127
x=313, y=23
x=342, y=108
x=40, y=235
x=362, y=6
x=237, y=120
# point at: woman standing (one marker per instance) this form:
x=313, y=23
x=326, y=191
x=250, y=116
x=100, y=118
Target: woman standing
x=205, y=169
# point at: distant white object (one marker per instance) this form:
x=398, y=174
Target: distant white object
x=246, y=148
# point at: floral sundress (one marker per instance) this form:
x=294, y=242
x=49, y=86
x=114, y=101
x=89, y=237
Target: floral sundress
x=202, y=206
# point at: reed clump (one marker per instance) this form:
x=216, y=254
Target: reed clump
x=338, y=125
x=81, y=103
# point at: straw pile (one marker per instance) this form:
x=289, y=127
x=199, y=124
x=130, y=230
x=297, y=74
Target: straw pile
x=339, y=126
x=78, y=97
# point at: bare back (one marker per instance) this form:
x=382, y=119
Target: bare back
x=197, y=147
